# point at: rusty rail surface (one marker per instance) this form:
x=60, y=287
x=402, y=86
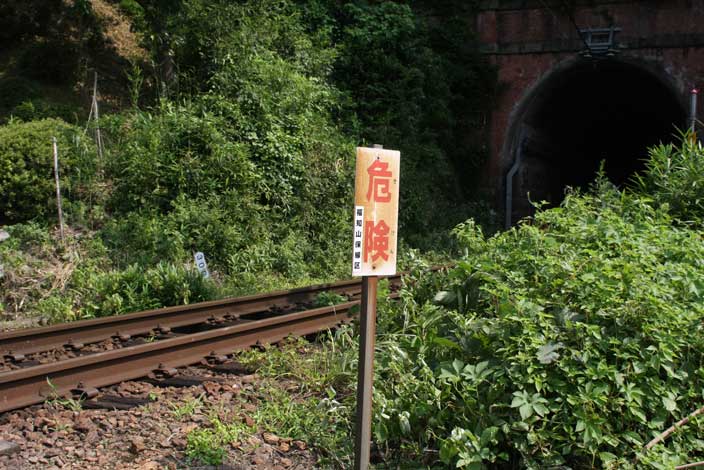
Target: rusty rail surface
x=23, y=387
x=29, y=341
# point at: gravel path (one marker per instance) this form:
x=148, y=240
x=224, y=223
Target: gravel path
x=58, y=435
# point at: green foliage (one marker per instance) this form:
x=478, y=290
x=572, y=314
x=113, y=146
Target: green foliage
x=28, y=236
x=180, y=151
x=15, y=90
x=253, y=172
x=84, y=282
x=98, y=293
x=572, y=339
x=37, y=109
x=209, y=445
x=315, y=367
x=674, y=176
x=268, y=67
x=317, y=405
x=326, y=299
x=193, y=225
x=324, y=422
x=418, y=85
x=133, y=9
x=303, y=392
x=26, y=167
x=206, y=446
x=247, y=154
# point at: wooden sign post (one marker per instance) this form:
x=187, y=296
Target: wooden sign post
x=373, y=255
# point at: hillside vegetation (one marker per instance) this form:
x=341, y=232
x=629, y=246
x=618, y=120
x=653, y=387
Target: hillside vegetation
x=227, y=128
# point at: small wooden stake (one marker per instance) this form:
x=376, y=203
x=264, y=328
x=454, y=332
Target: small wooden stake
x=58, y=189
x=96, y=116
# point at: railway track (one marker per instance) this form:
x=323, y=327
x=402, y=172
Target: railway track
x=78, y=358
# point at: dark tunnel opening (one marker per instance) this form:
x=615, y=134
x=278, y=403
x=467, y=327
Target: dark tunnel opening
x=593, y=111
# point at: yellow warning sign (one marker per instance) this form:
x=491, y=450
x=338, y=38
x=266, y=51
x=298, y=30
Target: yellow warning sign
x=375, y=212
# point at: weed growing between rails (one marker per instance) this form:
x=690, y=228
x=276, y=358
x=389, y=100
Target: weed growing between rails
x=56, y=401
x=303, y=399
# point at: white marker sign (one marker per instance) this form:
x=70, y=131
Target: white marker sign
x=201, y=264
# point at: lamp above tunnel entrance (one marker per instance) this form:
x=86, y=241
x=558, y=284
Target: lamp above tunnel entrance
x=580, y=115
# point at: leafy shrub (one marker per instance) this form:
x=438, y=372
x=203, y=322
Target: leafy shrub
x=272, y=89
x=280, y=74
x=98, y=293
x=674, y=175
x=58, y=309
x=570, y=340
x=37, y=109
x=210, y=226
x=134, y=10
x=179, y=151
x=26, y=167
x=325, y=299
x=253, y=172
x=28, y=235
x=15, y=90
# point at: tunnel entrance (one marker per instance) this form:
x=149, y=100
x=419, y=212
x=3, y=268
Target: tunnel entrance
x=589, y=112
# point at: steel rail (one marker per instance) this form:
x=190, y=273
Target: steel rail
x=21, y=342
x=24, y=387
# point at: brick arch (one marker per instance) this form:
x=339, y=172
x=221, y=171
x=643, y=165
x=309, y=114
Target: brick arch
x=621, y=107
x=534, y=42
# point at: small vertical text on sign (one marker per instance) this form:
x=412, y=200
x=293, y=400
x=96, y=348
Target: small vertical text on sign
x=358, y=240
x=376, y=212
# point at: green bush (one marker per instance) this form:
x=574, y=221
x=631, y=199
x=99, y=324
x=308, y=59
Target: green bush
x=134, y=10
x=26, y=167
x=15, y=90
x=674, y=175
x=572, y=340
x=254, y=172
x=208, y=225
x=37, y=109
x=97, y=293
x=177, y=151
x=28, y=236
x=281, y=74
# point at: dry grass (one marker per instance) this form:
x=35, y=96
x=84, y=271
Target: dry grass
x=32, y=275
x=118, y=31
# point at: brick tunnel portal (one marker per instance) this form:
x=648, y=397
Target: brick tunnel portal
x=580, y=115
